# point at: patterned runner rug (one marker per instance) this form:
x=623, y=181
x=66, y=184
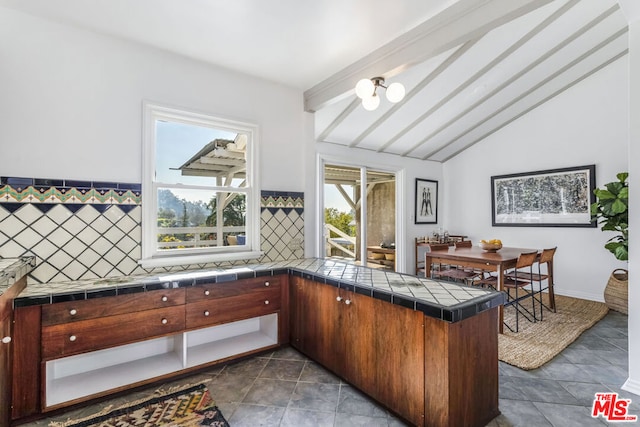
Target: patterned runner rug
x=190, y=407
x=537, y=343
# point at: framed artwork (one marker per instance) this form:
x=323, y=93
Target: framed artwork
x=426, y=201
x=549, y=198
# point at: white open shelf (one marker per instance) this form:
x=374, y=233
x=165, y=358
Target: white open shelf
x=87, y=374
x=219, y=342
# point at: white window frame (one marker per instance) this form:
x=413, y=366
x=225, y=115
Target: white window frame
x=151, y=256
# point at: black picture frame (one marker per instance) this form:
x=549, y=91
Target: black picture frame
x=546, y=198
x=426, y=201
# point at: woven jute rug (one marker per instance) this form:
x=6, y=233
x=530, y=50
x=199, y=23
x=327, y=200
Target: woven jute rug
x=536, y=343
x=186, y=406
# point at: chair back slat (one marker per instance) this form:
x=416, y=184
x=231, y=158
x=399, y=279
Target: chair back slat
x=547, y=255
x=526, y=259
x=463, y=244
x=438, y=247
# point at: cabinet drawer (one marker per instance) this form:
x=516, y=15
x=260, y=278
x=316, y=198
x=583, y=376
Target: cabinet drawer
x=210, y=312
x=94, y=334
x=230, y=289
x=72, y=311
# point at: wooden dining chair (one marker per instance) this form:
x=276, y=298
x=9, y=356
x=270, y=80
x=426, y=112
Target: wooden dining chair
x=454, y=272
x=546, y=258
x=463, y=244
x=514, y=286
x=436, y=268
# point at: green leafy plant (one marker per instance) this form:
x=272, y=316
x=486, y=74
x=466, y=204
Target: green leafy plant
x=611, y=210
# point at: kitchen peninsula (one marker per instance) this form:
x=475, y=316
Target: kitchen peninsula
x=425, y=349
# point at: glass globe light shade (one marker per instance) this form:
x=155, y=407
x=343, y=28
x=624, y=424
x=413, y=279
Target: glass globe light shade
x=371, y=103
x=364, y=88
x=395, y=92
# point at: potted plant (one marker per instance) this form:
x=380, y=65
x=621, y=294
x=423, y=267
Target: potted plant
x=611, y=210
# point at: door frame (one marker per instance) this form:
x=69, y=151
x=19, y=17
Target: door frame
x=400, y=228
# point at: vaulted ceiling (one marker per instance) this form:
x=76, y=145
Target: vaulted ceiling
x=470, y=67
x=457, y=97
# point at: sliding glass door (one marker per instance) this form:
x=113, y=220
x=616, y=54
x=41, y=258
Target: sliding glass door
x=359, y=215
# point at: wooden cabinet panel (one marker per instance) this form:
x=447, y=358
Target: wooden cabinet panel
x=399, y=342
x=461, y=369
x=26, y=362
x=5, y=368
x=73, y=311
x=94, y=334
x=222, y=310
x=231, y=289
x=314, y=320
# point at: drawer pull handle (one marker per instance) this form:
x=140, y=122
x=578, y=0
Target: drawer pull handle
x=6, y=340
x=207, y=292
x=338, y=298
x=347, y=301
x=266, y=302
x=73, y=312
x=164, y=321
x=72, y=338
x=165, y=299
x=206, y=313
x=267, y=284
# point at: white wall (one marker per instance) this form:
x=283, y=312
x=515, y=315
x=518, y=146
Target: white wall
x=407, y=172
x=587, y=124
x=71, y=104
x=631, y=9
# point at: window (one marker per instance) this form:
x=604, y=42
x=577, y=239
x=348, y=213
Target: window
x=200, y=198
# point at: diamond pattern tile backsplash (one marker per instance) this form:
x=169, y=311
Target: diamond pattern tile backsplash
x=90, y=230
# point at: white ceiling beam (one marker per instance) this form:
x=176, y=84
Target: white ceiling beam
x=524, y=70
x=463, y=21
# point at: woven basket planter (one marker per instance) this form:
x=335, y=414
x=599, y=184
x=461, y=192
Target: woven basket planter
x=616, y=294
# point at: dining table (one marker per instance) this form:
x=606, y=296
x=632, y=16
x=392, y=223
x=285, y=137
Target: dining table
x=475, y=257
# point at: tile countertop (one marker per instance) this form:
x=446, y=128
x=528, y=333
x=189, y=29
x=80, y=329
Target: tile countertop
x=12, y=269
x=443, y=300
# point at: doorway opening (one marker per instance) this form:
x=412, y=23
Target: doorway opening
x=359, y=215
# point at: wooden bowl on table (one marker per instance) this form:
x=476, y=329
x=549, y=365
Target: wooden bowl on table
x=490, y=246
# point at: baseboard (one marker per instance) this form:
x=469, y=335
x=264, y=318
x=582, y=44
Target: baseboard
x=632, y=386
x=582, y=295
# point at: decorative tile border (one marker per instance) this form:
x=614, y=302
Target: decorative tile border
x=70, y=192
x=282, y=200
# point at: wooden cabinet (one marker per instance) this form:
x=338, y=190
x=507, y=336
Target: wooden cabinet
x=428, y=371
x=376, y=346
x=80, y=350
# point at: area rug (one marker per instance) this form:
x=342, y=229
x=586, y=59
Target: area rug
x=536, y=343
x=188, y=406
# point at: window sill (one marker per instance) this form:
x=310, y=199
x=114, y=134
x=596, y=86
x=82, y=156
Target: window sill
x=197, y=259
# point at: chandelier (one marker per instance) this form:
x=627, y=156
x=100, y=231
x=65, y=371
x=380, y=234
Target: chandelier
x=366, y=89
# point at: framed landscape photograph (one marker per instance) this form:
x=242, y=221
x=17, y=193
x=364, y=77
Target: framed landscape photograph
x=426, y=201
x=549, y=198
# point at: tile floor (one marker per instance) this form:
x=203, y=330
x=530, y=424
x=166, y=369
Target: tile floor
x=284, y=388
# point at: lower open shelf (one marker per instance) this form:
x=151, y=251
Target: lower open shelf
x=84, y=375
